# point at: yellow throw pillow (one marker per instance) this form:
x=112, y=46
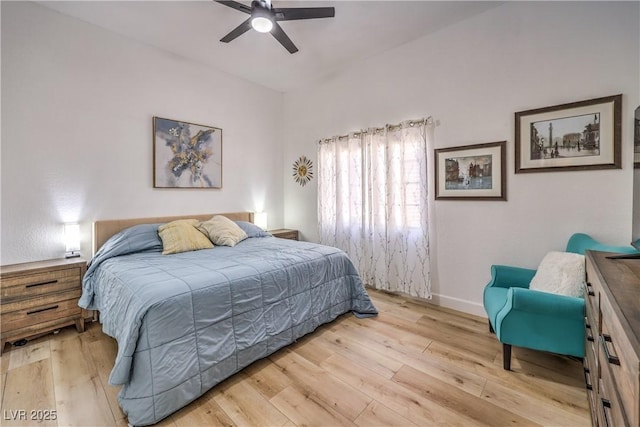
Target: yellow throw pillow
x=222, y=231
x=182, y=236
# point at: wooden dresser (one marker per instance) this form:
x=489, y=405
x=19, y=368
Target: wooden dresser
x=612, y=353
x=38, y=297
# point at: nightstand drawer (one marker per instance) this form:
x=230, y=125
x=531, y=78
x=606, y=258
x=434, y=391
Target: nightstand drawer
x=31, y=312
x=285, y=233
x=33, y=285
x=39, y=297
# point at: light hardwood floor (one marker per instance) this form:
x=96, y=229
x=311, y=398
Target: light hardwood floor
x=414, y=365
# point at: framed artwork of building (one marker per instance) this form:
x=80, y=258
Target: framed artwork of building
x=471, y=172
x=577, y=136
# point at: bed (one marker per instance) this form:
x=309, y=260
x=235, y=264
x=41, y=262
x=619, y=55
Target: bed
x=185, y=322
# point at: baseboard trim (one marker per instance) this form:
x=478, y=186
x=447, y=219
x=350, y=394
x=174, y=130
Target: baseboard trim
x=465, y=306
x=457, y=304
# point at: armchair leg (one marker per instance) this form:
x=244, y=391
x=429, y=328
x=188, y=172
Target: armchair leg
x=491, y=328
x=506, y=356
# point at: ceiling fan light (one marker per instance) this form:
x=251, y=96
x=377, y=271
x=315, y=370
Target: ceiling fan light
x=262, y=24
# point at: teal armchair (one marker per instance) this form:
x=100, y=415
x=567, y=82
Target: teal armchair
x=523, y=317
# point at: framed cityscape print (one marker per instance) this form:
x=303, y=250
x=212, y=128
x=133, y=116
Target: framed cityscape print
x=186, y=155
x=636, y=139
x=471, y=172
x=577, y=136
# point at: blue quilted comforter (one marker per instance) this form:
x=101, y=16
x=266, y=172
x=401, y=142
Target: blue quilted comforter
x=187, y=321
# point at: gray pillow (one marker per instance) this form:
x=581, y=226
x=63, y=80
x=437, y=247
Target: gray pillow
x=252, y=230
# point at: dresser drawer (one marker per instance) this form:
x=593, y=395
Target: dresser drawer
x=591, y=334
x=609, y=407
x=591, y=382
x=591, y=326
x=590, y=363
x=615, y=307
x=41, y=310
x=592, y=295
x=618, y=359
x=34, y=285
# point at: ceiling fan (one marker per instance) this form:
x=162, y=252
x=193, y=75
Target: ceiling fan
x=264, y=19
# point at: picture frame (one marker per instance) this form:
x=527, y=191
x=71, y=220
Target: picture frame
x=581, y=135
x=186, y=155
x=636, y=139
x=471, y=172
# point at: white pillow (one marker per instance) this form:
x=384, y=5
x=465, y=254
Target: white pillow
x=560, y=273
x=222, y=231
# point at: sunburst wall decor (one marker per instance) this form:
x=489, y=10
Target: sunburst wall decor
x=302, y=170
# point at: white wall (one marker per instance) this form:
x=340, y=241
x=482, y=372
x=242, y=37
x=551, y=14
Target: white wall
x=77, y=108
x=473, y=77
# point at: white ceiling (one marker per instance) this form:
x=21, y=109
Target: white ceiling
x=192, y=29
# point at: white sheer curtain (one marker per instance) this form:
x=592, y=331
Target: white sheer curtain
x=373, y=204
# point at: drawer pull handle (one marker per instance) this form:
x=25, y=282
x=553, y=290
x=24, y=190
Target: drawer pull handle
x=587, y=378
x=614, y=360
x=605, y=405
x=33, y=285
x=40, y=310
x=589, y=335
x=590, y=289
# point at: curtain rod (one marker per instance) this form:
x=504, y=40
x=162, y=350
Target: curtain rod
x=428, y=120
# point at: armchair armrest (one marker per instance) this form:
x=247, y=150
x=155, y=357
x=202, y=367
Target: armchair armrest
x=546, y=303
x=504, y=276
x=542, y=321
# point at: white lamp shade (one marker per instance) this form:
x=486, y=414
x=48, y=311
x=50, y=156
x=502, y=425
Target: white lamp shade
x=260, y=219
x=72, y=237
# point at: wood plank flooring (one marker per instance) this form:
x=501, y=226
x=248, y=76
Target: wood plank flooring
x=415, y=364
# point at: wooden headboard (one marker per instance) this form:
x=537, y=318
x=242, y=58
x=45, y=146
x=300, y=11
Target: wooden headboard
x=104, y=229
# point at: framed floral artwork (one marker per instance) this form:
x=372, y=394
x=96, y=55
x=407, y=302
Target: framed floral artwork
x=186, y=155
x=576, y=136
x=471, y=172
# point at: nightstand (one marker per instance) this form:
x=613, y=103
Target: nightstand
x=285, y=233
x=38, y=297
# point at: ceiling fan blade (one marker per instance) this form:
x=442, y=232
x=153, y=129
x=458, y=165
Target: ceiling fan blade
x=235, y=5
x=282, y=37
x=238, y=31
x=295, y=13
